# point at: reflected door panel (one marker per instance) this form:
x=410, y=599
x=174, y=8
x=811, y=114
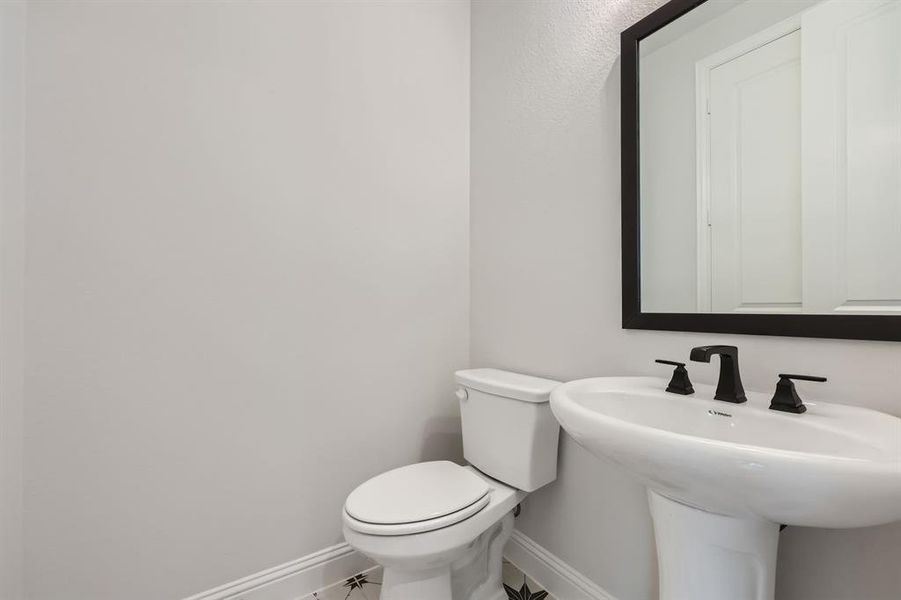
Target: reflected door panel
x=755, y=180
x=852, y=161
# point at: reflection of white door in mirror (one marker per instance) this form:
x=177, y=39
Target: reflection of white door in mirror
x=851, y=166
x=753, y=212
x=799, y=165
x=783, y=193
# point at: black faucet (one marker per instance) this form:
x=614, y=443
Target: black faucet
x=729, y=387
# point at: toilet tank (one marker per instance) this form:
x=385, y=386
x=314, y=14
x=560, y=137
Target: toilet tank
x=509, y=432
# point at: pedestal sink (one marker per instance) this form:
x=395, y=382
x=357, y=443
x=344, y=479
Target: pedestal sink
x=722, y=477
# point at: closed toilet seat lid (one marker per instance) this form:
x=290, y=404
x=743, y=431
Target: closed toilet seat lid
x=418, y=497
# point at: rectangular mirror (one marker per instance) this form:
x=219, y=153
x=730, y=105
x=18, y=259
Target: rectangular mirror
x=762, y=168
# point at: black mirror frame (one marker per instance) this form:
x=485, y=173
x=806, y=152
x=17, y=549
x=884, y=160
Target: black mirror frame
x=855, y=327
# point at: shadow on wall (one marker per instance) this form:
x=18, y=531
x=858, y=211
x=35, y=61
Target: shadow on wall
x=442, y=440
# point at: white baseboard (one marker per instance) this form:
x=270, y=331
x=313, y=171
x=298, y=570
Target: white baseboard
x=299, y=578
x=558, y=578
x=293, y=580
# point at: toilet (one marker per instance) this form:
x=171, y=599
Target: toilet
x=438, y=529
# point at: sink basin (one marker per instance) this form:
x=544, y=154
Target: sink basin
x=833, y=466
x=723, y=476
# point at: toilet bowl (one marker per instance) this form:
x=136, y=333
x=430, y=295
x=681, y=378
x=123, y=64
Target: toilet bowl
x=438, y=529
x=428, y=558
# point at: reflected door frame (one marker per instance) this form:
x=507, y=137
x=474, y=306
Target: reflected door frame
x=703, y=69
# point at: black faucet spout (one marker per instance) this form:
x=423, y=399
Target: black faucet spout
x=729, y=387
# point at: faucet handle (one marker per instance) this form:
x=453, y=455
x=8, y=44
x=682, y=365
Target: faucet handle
x=669, y=362
x=803, y=377
x=680, y=383
x=786, y=397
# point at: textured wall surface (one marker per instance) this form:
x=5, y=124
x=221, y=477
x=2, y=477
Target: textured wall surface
x=12, y=229
x=247, y=278
x=546, y=296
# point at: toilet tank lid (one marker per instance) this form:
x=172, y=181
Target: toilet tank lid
x=507, y=384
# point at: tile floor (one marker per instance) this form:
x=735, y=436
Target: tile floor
x=520, y=586
x=367, y=585
x=362, y=586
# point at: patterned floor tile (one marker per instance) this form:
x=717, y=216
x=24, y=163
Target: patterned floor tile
x=520, y=586
x=368, y=585
x=363, y=586
x=372, y=585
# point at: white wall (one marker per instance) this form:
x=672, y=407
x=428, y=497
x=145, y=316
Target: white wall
x=12, y=227
x=247, y=278
x=546, y=295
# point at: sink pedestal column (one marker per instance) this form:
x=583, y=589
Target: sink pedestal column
x=706, y=556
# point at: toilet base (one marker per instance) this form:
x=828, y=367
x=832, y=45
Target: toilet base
x=404, y=585
x=476, y=575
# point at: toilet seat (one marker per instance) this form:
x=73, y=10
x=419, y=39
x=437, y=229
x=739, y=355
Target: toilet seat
x=415, y=499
